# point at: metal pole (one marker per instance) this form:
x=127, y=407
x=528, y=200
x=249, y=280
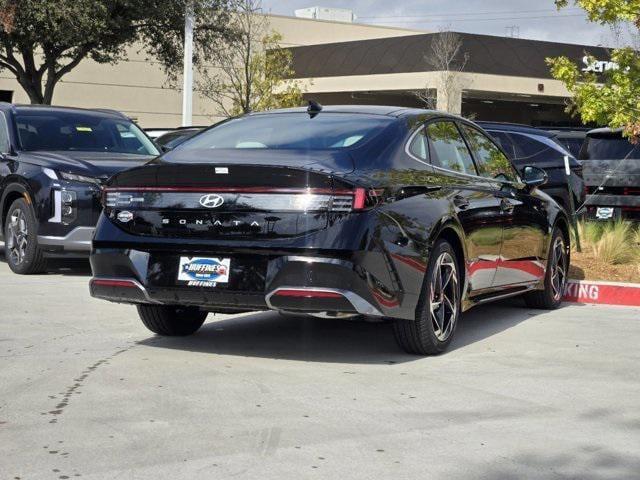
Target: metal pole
x=187, y=74
x=572, y=205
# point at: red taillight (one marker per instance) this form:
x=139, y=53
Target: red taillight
x=101, y=282
x=305, y=293
x=359, y=198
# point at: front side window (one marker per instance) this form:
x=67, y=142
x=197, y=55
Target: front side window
x=5, y=146
x=448, y=149
x=491, y=162
x=531, y=149
x=291, y=131
x=83, y=132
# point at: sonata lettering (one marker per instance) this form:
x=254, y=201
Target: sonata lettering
x=215, y=223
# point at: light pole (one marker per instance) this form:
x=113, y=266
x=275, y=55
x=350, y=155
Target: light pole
x=187, y=74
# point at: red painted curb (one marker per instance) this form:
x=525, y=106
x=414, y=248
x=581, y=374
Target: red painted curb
x=605, y=293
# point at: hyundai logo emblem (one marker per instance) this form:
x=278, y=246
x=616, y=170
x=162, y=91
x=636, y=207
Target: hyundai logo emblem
x=125, y=216
x=211, y=201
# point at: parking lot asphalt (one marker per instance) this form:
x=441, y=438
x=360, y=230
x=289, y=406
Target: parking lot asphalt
x=87, y=392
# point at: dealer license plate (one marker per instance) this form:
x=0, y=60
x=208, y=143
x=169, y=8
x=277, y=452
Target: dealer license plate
x=203, y=271
x=604, y=213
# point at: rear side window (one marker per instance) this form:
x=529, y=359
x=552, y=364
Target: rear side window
x=491, y=162
x=419, y=146
x=609, y=148
x=448, y=149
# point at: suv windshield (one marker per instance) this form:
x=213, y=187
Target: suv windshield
x=291, y=131
x=73, y=131
x=608, y=147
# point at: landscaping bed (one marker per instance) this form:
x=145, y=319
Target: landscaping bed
x=610, y=252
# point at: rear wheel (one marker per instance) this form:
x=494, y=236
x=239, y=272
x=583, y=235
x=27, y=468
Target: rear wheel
x=171, y=321
x=438, y=310
x=21, y=249
x=555, y=279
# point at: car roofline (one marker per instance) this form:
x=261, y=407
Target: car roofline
x=106, y=111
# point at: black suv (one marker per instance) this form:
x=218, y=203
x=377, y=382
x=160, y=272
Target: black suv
x=612, y=174
x=53, y=161
x=532, y=146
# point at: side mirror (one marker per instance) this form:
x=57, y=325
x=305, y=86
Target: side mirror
x=165, y=149
x=534, y=177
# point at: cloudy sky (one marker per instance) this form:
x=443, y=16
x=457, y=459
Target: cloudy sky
x=536, y=19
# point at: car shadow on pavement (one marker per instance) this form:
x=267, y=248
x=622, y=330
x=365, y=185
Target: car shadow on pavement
x=73, y=267
x=271, y=335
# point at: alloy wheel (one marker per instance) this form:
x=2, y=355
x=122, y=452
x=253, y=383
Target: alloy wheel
x=444, y=296
x=18, y=235
x=558, y=268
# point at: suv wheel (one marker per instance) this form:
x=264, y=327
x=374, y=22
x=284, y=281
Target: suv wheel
x=21, y=249
x=555, y=279
x=171, y=321
x=438, y=310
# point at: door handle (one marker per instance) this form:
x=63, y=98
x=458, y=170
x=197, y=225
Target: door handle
x=506, y=206
x=461, y=202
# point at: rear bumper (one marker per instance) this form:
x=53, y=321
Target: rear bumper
x=309, y=284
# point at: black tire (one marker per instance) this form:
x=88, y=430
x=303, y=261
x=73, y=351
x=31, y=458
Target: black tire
x=171, y=321
x=420, y=336
x=28, y=259
x=548, y=299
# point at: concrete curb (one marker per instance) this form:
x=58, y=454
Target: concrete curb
x=605, y=293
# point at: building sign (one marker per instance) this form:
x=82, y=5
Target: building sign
x=597, y=66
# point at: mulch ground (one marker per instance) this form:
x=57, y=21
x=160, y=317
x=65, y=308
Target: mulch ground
x=584, y=266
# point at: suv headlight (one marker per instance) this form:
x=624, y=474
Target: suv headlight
x=73, y=177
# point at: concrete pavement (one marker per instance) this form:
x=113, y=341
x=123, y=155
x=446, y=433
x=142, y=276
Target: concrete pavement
x=87, y=392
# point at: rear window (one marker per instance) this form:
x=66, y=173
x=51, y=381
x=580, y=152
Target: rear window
x=72, y=131
x=608, y=148
x=291, y=131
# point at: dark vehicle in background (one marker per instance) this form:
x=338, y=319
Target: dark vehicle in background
x=386, y=212
x=53, y=161
x=175, y=137
x=154, y=133
x=612, y=173
x=532, y=146
x=570, y=138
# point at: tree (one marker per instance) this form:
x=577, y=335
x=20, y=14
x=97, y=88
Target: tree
x=612, y=98
x=445, y=57
x=43, y=40
x=251, y=72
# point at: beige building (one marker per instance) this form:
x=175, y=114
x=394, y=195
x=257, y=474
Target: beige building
x=139, y=88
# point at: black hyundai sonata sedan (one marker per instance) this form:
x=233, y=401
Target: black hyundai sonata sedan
x=407, y=214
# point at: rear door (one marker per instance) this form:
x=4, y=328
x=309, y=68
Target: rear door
x=476, y=207
x=523, y=217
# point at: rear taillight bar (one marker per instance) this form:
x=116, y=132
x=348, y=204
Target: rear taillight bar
x=265, y=198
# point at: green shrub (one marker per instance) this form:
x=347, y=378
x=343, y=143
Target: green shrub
x=615, y=245
x=612, y=242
